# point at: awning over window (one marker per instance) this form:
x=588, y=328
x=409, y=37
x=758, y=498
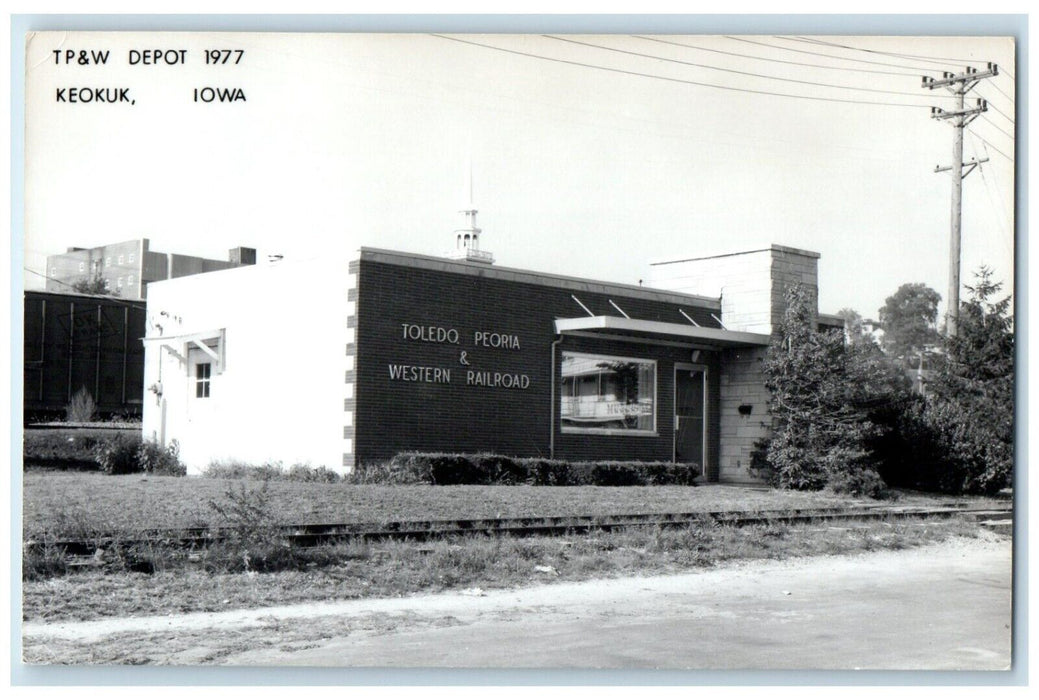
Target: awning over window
x=659, y=330
x=209, y=342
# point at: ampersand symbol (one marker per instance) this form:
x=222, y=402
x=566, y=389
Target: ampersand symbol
x=462, y=359
x=83, y=60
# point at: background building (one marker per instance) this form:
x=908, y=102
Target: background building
x=129, y=266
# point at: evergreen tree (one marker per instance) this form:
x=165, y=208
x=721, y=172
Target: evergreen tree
x=970, y=403
x=822, y=393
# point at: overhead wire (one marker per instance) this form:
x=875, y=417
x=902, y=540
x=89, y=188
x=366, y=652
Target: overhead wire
x=733, y=70
x=729, y=88
x=802, y=64
x=990, y=145
x=995, y=108
x=936, y=59
x=1000, y=90
x=1007, y=238
x=112, y=297
x=830, y=55
x=996, y=126
x=939, y=60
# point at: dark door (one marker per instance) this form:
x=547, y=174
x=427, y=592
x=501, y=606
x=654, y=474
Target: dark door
x=690, y=385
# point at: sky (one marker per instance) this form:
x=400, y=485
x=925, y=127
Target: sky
x=591, y=156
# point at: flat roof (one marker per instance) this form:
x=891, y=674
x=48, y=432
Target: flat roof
x=428, y=262
x=661, y=329
x=774, y=246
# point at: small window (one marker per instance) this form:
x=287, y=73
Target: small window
x=130, y=258
x=108, y=261
x=82, y=267
x=120, y=259
x=129, y=281
x=119, y=283
x=202, y=374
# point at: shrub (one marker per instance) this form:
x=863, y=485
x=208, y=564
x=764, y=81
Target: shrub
x=81, y=408
x=118, y=455
x=269, y=471
x=862, y=482
x=152, y=458
x=309, y=474
x=491, y=469
x=128, y=454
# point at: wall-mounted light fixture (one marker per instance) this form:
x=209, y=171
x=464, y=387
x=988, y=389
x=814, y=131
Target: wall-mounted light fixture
x=745, y=409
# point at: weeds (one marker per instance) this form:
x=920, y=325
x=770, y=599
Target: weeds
x=243, y=571
x=250, y=538
x=81, y=409
x=270, y=471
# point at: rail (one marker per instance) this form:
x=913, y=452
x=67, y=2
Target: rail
x=418, y=530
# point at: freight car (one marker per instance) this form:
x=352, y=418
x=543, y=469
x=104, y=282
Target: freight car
x=75, y=341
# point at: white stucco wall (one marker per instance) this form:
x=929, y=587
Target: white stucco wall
x=280, y=395
x=743, y=282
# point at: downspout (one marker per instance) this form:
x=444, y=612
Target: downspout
x=552, y=402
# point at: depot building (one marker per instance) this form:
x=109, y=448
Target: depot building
x=337, y=362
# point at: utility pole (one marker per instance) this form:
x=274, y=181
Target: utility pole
x=958, y=85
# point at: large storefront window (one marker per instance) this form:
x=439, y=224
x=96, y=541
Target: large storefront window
x=605, y=393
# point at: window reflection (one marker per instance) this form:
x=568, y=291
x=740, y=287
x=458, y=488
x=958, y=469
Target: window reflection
x=601, y=392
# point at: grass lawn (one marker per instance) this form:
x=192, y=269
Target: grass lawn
x=75, y=504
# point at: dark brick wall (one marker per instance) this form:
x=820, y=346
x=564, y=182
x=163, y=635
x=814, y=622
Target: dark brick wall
x=393, y=415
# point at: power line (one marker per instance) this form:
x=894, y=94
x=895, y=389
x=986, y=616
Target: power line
x=775, y=60
x=674, y=80
x=112, y=297
x=989, y=144
x=997, y=202
x=996, y=126
x=917, y=69
x=997, y=109
x=731, y=70
x=938, y=60
x=1000, y=90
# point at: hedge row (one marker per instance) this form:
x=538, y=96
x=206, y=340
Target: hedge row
x=68, y=449
x=491, y=469
x=107, y=451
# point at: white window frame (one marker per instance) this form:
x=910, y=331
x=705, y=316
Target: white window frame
x=203, y=384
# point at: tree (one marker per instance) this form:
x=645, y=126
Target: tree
x=92, y=285
x=854, y=329
x=909, y=318
x=821, y=395
x=970, y=405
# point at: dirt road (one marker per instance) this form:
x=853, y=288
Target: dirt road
x=940, y=607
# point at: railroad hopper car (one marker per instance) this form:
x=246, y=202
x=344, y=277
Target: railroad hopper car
x=75, y=341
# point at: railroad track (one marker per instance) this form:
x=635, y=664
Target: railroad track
x=419, y=530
